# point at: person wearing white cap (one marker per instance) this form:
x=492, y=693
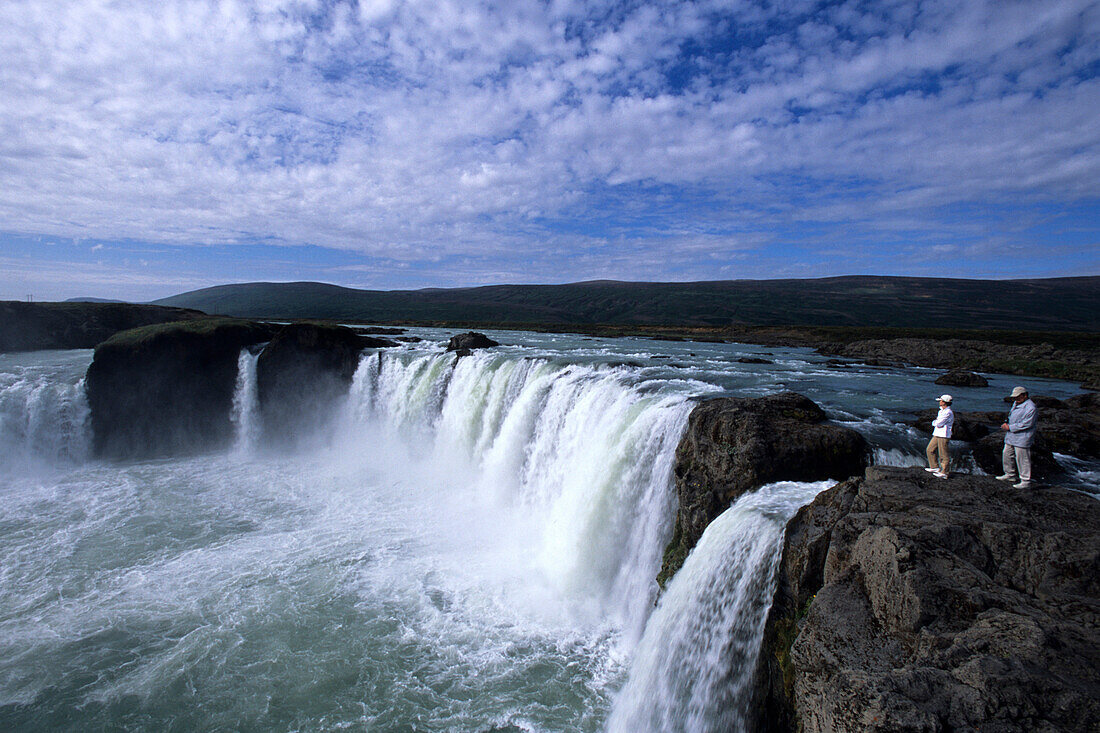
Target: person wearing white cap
x=941, y=433
x=1019, y=435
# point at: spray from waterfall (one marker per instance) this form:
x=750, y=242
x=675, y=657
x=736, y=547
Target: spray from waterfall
x=44, y=421
x=693, y=670
x=582, y=454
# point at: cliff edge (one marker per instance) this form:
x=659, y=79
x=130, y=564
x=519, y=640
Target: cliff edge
x=909, y=603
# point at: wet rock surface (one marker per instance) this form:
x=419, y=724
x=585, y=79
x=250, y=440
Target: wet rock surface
x=301, y=373
x=962, y=378
x=732, y=445
x=465, y=342
x=167, y=389
x=909, y=603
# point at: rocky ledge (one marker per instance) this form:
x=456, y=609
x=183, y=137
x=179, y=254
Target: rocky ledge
x=168, y=389
x=909, y=603
x=733, y=445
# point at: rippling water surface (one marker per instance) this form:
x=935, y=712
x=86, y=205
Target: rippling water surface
x=473, y=546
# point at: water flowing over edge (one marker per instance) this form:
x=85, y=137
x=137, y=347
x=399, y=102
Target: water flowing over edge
x=693, y=669
x=579, y=450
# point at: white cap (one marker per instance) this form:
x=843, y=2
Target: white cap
x=1017, y=391
x=945, y=398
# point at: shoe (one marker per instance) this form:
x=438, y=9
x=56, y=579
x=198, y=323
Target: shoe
x=1006, y=477
x=1022, y=485
x=939, y=474
x=931, y=470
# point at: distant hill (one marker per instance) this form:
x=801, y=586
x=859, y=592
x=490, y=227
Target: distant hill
x=33, y=326
x=90, y=299
x=1057, y=304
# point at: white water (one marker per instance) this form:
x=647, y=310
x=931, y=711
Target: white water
x=476, y=548
x=44, y=417
x=245, y=413
x=693, y=670
x=582, y=455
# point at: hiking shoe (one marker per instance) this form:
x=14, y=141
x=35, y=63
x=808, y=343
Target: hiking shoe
x=1022, y=485
x=939, y=474
x=931, y=470
x=1006, y=477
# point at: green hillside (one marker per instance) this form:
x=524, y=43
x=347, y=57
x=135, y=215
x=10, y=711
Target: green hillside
x=1060, y=304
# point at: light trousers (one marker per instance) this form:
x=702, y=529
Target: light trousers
x=938, y=447
x=1016, y=456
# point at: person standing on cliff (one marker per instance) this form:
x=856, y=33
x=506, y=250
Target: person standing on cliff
x=941, y=433
x=1019, y=435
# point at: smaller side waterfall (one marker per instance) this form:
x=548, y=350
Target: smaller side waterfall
x=693, y=670
x=246, y=404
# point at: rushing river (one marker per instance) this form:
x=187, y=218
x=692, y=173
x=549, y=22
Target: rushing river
x=471, y=547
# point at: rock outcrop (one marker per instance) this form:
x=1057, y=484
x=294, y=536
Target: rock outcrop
x=909, y=603
x=464, y=343
x=301, y=373
x=962, y=378
x=33, y=326
x=167, y=389
x=732, y=445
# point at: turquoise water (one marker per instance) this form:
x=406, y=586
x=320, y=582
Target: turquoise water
x=469, y=547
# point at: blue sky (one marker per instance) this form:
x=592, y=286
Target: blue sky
x=152, y=148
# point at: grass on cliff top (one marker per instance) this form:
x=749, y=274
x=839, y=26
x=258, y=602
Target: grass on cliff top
x=199, y=327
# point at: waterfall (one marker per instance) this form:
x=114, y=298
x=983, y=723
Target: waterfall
x=693, y=670
x=580, y=451
x=245, y=413
x=43, y=421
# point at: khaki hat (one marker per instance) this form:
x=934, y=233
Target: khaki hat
x=945, y=398
x=1017, y=391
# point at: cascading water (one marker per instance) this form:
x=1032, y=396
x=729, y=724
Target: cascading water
x=585, y=456
x=475, y=550
x=245, y=413
x=43, y=416
x=693, y=670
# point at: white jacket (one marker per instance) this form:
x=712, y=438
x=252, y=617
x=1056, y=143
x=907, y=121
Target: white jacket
x=941, y=426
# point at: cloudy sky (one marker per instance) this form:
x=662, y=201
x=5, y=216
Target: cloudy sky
x=148, y=148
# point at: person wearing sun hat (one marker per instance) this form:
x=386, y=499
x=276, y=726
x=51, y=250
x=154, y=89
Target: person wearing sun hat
x=938, y=457
x=1019, y=435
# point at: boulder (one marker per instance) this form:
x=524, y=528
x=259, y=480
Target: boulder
x=300, y=375
x=909, y=603
x=470, y=340
x=732, y=445
x=167, y=389
x=753, y=360
x=962, y=378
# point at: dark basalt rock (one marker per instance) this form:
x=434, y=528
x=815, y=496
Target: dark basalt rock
x=962, y=378
x=470, y=340
x=167, y=389
x=301, y=374
x=753, y=360
x=733, y=445
x=909, y=603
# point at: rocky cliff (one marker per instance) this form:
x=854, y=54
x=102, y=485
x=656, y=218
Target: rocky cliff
x=167, y=389
x=909, y=603
x=732, y=445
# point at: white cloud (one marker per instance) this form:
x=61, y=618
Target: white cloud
x=400, y=129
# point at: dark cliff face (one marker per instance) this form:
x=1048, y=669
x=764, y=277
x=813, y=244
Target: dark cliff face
x=733, y=445
x=168, y=389
x=908, y=603
x=301, y=374
x=33, y=326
